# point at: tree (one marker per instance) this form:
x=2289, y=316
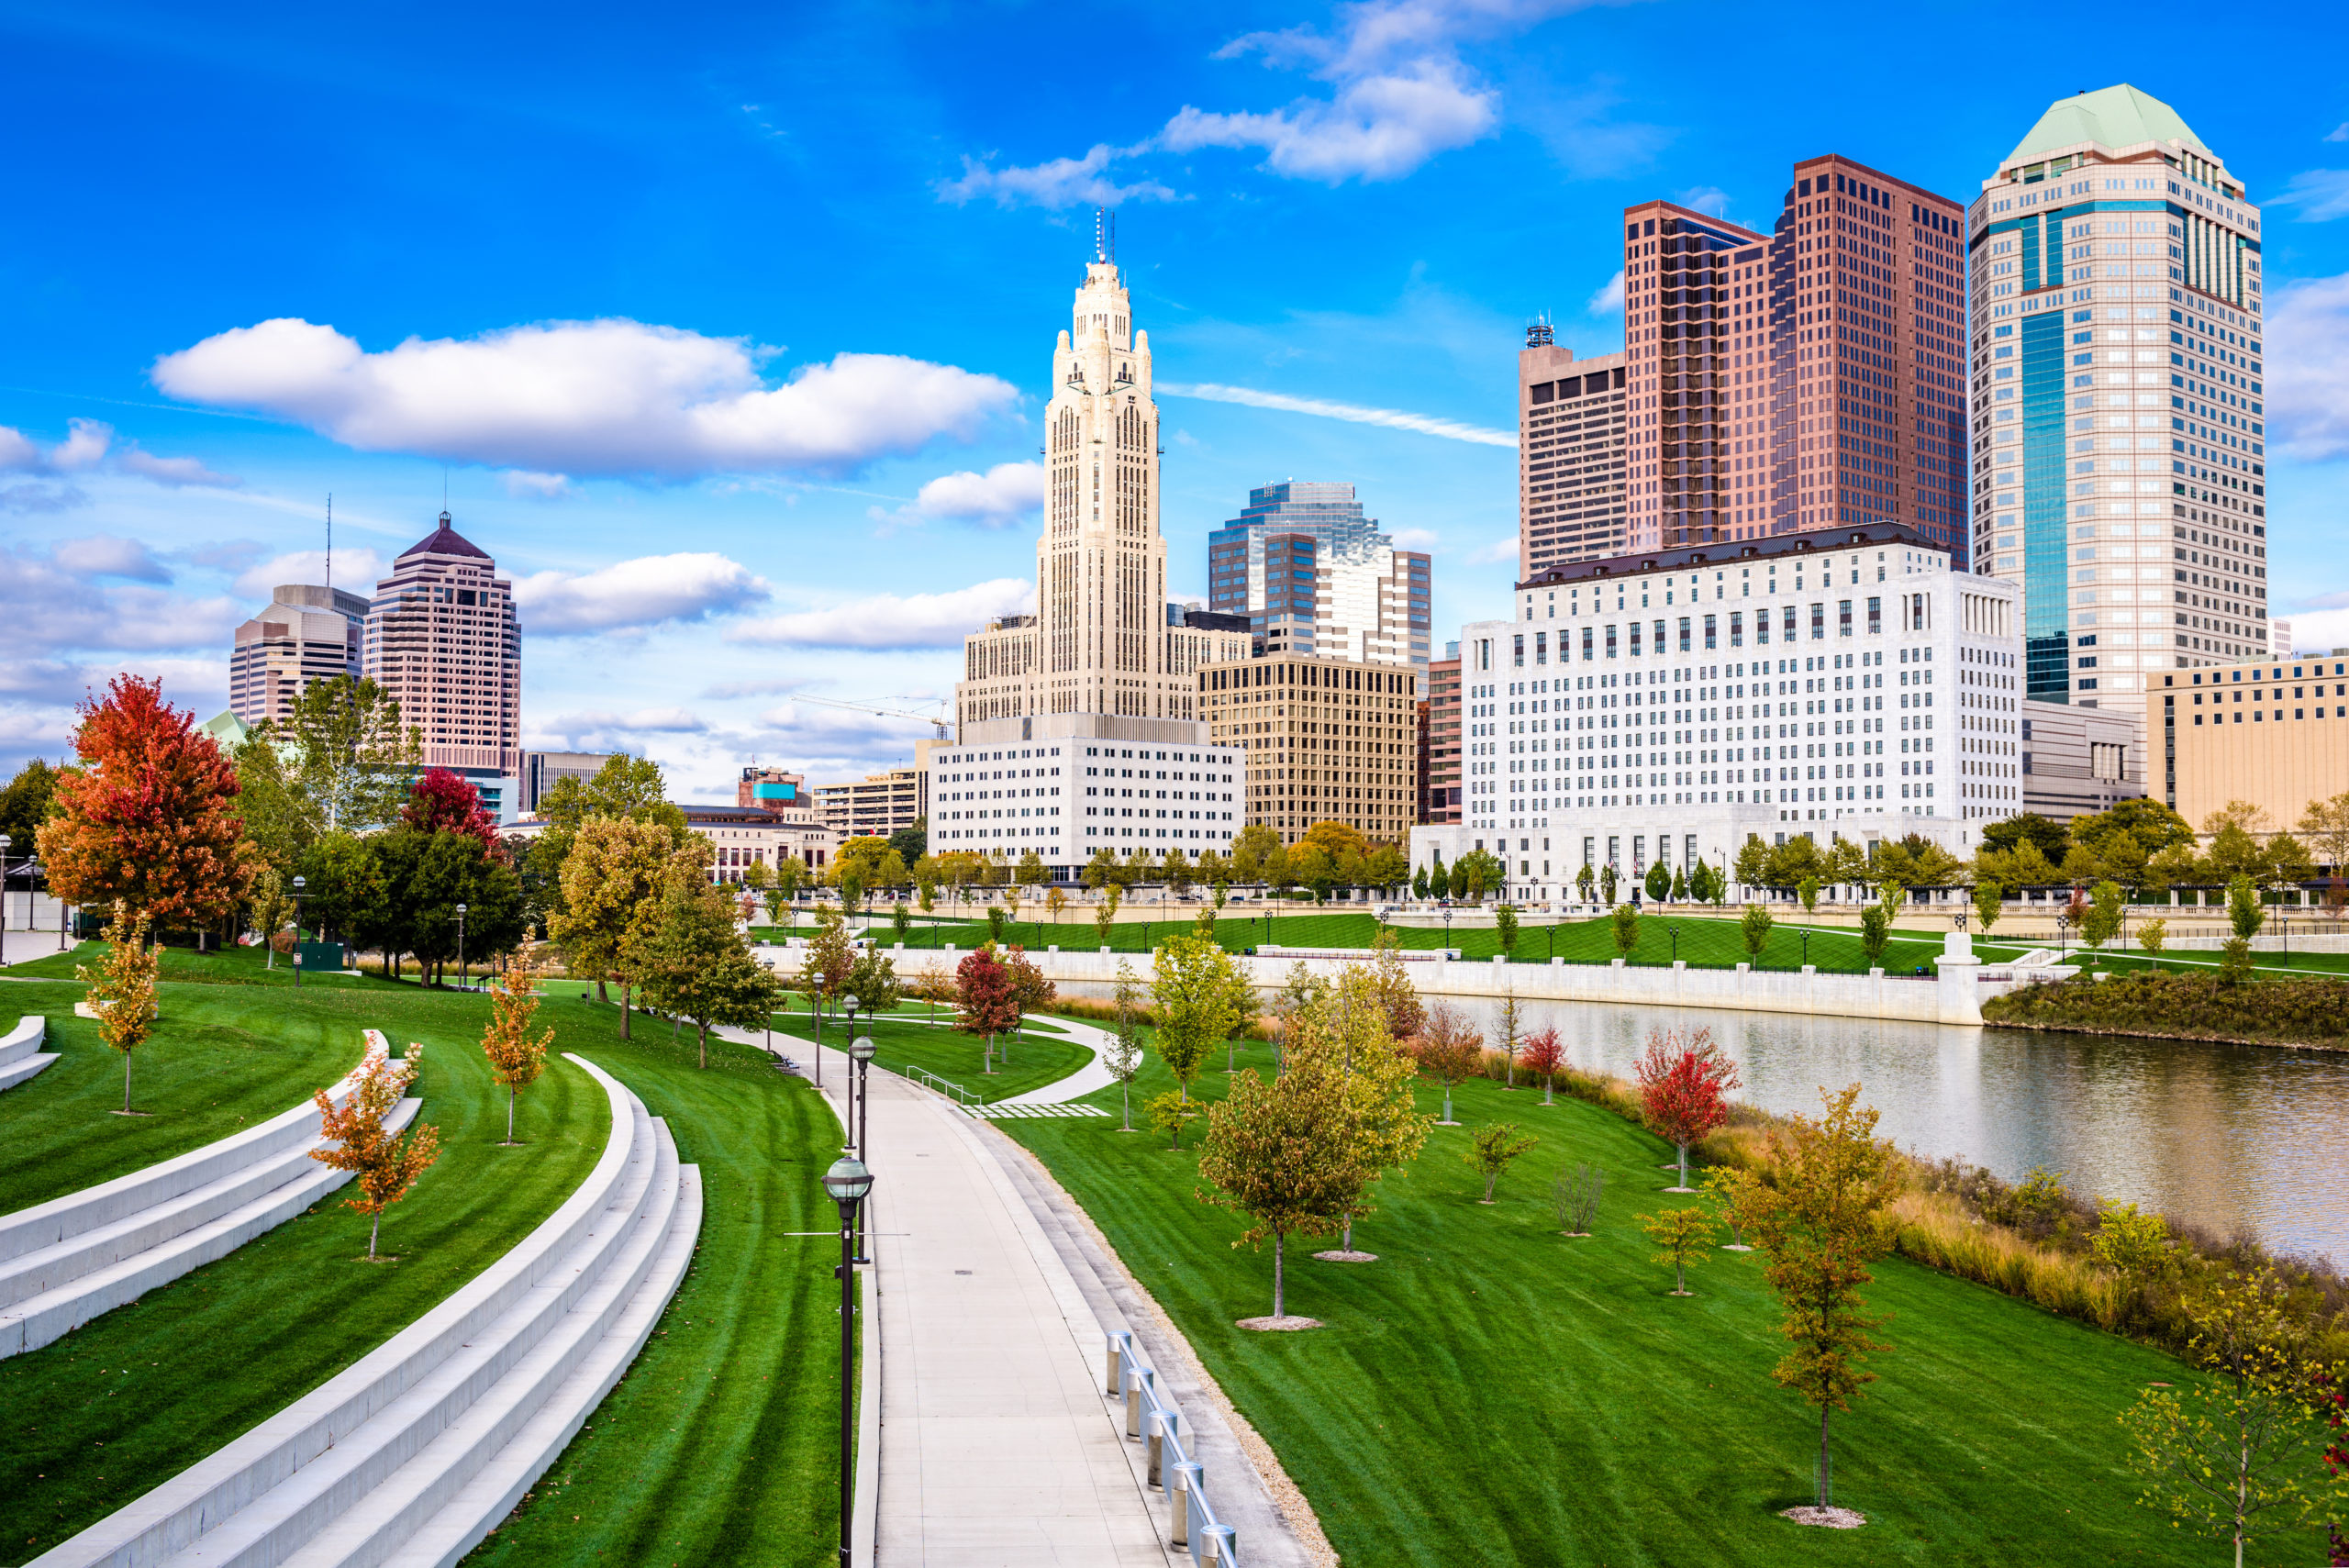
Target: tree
x=1583, y=880
x=2051, y=839
x=1658, y=881
x=1683, y=1088
x=1122, y=1059
x=1625, y=928
x=1754, y=928
x=122, y=990
x=1451, y=1050
x=424, y=878
x=1876, y=933
x=1704, y=882
x=145, y=821
x=1683, y=1234
x=1607, y=885
x=1576, y=1195
x=1822, y=1219
x=2245, y=912
x=625, y=787
x=609, y=883
x=343, y=885
x=1279, y=1152
x=1345, y=1029
x=1752, y=862
x=1192, y=987
x=352, y=758
x=986, y=1002
x=270, y=905
x=445, y=802
x=1492, y=1148
x=1987, y=905
x=1245, y=1007
x=1733, y=1188
x=1544, y=1054
x=1105, y=912
x=872, y=980
x=1298, y=995
x=901, y=918
x=868, y=861
x=1031, y=991
x=1419, y=883
x=1481, y=871
x=2324, y=823
x=515, y=1056
x=1505, y=927
x=1178, y=871
x=24, y=803
x=280, y=823
x=354, y=1138
x=1171, y=1112
x=2151, y=935
x=693, y=961
x=1398, y=998
x=2243, y=1453
x=2106, y=906
x=1510, y=1019
x=911, y=844
x=1679, y=893
x=1806, y=890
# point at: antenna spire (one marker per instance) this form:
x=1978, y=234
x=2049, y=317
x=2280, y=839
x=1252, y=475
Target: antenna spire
x=1104, y=235
x=330, y=546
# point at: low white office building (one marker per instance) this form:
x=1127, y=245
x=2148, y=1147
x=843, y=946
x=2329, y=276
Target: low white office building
x=1660, y=707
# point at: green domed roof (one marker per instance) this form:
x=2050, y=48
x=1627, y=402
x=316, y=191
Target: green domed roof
x=2114, y=116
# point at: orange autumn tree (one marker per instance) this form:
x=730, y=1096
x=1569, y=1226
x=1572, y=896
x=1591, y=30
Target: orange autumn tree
x=516, y=1059
x=147, y=818
x=387, y=1164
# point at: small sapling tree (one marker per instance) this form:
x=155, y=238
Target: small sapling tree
x=1576, y=1195
x=122, y=991
x=1122, y=1058
x=1509, y=1017
x=1988, y=903
x=986, y=1001
x=386, y=1163
x=1544, y=1053
x=1683, y=1234
x=1876, y=933
x=1450, y=1049
x=1494, y=1148
x=515, y=1056
x=1505, y=927
x=1683, y=1086
x=1625, y=930
x=1281, y=1153
x=1754, y=928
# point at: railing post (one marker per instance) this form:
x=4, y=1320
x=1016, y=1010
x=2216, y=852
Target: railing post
x=1136, y=1377
x=1162, y=1425
x=1121, y=1340
x=1222, y=1544
x=1188, y=1478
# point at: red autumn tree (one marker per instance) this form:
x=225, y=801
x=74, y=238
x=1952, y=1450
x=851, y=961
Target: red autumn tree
x=1683, y=1088
x=1543, y=1052
x=986, y=997
x=147, y=820
x=445, y=802
x=1451, y=1050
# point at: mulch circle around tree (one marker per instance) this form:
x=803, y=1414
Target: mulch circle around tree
x=1278, y=1325
x=1340, y=1255
x=1826, y=1518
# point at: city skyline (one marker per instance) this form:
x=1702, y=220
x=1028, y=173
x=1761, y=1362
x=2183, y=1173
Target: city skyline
x=692, y=563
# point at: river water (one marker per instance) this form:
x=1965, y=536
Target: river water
x=2224, y=1137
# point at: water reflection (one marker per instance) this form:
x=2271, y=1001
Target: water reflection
x=2220, y=1136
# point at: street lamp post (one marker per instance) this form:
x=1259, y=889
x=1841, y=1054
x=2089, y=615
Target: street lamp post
x=1675, y=942
x=461, y=947
x=861, y=1050
x=299, y=883
x=851, y=1004
x=1447, y=932
x=1806, y=949
x=849, y=1182
x=32, y=874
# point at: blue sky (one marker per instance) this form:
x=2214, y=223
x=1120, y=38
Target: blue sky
x=728, y=337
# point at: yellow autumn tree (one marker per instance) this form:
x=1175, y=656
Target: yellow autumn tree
x=516, y=1057
x=122, y=991
x=386, y=1163
x=612, y=881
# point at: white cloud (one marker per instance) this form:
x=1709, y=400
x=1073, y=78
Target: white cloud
x=356, y=570
x=2339, y=132
x=1710, y=199
x=2322, y=194
x=104, y=555
x=46, y=607
x=634, y=593
x=1608, y=299
x=662, y=720
x=2308, y=367
x=41, y=498
x=1393, y=418
x=1056, y=184
x=586, y=397
x=726, y=690
x=524, y=484
x=87, y=446
x=2319, y=632
x=18, y=453
x=84, y=447
x=1493, y=551
x=890, y=621
x=997, y=498
x=1416, y=539
x=173, y=471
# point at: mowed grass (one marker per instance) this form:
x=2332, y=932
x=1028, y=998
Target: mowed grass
x=218, y=966
x=100, y=1417
x=222, y=1058
x=722, y=1443
x=1038, y=1056
x=1490, y=1392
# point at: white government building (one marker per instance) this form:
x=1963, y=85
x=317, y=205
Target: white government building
x=1660, y=707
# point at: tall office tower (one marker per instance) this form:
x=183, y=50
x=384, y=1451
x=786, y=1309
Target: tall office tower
x=2119, y=423
x=1316, y=577
x=1439, y=740
x=1805, y=379
x=307, y=633
x=1571, y=455
x=1101, y=640
x=443, y=640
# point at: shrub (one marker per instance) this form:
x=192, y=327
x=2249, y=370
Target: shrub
x=2302, y=1011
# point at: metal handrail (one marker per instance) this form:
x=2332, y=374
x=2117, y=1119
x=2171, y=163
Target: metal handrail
x=932, y=1081
x=1159, y=1426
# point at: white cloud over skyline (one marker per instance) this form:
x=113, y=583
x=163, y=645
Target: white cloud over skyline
x=632, y=595
x=610, y=397
x=1052, y=184
x=1393, y=418
x=2308, y=368
x=891, y=621
x=1005, y=494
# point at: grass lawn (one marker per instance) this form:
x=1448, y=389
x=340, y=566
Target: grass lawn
x=220, y=966
x=719, y=1444
x=1491, y=1392
x=1039, y=1056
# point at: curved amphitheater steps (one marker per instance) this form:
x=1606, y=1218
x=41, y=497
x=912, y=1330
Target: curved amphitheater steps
x=65, y=1261
x=412, y=1455
x=20, y=1053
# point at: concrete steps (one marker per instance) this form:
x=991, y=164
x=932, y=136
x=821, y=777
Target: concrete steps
x=20, y=1053
x=65, y=1261
x=414, y=1454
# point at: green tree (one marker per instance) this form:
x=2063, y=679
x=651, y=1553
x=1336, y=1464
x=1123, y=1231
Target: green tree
x=1658, y=881
x=1105, y=912
x=1806, y=890
x=911, y=844
x=1752, y=862
x=610, y=881
x=1122, y=1057
x=1987, y=903
x=23, y=805
x=1625, y=928
x=122, y=989
x=1876, y=933
x=1680, y=886
x=1505, y=927
x=1419, y=883
x=269, y=902
x=2245, y=913
x=2151, y=935
x=1684, y=1234
x=2008, y=836
x=1492, y=1148
x=1754, y=927
x=343, y=884
x=354, y=760
x=2107, y=903
x=280, y=822
x=1606, y=883
x=1192, y=988
x=1583, y=879
x=1281, y=1153
x=1822, y=1219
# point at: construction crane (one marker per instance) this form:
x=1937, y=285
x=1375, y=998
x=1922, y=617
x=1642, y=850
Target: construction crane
x=877, y=709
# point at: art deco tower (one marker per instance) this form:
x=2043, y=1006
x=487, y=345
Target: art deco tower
x=1103, y=640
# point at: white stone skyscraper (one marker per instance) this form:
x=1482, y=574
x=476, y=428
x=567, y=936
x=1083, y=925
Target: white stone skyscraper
x=2119, y=399
x=1104, y=640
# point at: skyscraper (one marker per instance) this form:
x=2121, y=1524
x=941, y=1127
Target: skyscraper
x=1316, y=577
x=1571, y=455
x=2119, y=427
x=307, y=633
x=442, y=638
x=1101, y=641
x=1798, y=380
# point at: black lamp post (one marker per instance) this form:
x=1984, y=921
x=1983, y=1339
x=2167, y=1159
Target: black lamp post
x=851, y=1004
x=299, y=883
x=848, y=1182
x=1447, y=932
x=461, y=947
x=1675, y=942
x=32, y=874
x=1806, y=949
x=861, y=1050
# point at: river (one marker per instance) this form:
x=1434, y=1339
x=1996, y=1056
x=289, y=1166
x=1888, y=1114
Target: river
x=2224, y=1137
